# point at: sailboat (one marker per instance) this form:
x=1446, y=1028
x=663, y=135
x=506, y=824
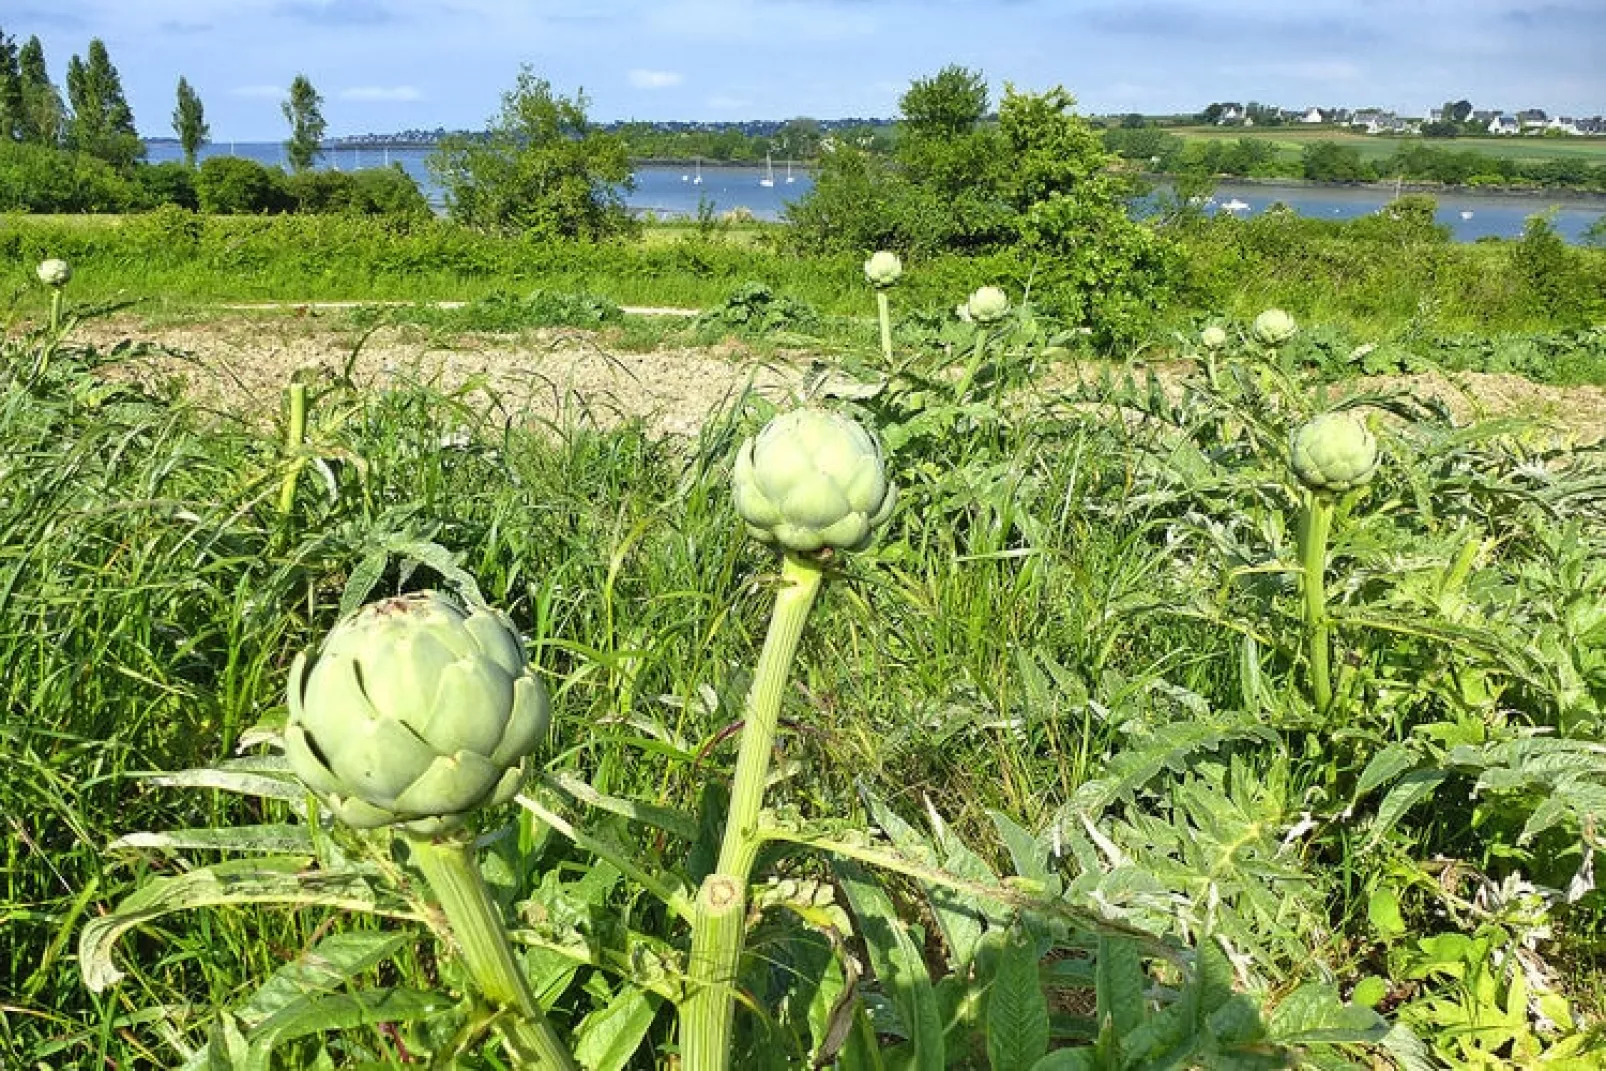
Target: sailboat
x=789, y=178
x=697, y=180
x=769, y=172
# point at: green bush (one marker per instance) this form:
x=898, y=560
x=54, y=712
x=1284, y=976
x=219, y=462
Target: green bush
x=37, y=178
x=170, y=183
x=233, y=185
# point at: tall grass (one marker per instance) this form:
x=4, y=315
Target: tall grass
x=1079, y=610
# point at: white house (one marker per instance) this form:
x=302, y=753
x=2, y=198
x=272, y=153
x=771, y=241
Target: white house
x=1505, y=124
x=1313, y=116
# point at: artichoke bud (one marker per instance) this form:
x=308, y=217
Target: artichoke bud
x=54, y=273
x=1274, y=327
x=883, y=269
x=414, y=711
x=1334, y=453
x=812, y=480
x=1213, y=337
x=988, y=305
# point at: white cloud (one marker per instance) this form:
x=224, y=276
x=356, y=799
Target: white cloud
x=641, y=78
x=273, y=92
x=382, y=94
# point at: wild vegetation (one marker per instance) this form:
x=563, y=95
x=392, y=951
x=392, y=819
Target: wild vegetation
x=1068, y=710
x=1083, y=667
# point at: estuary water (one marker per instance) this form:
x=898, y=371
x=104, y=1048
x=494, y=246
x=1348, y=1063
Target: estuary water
x=674, y=191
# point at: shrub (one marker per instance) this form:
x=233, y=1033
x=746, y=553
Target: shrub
x=37, y=178
x=233, y=185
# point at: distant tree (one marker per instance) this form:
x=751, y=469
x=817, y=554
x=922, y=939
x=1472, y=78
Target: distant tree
x=540, y=169
x=102, y=124
x=1441, y=128
x=11, y=114
x=189, y=121
x=1133, y=121
x=42, y=110
x=1213, y=113
x=950, y=102
x=1461, y=111
x=303, y=110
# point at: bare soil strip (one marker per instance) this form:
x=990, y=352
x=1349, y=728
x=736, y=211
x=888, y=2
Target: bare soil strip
x=243, y=362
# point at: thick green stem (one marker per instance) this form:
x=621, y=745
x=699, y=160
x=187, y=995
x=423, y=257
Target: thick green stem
x=55, y=310
x=718, y=925
x=454, y=875
x=1313, y=559
x=976, y=357
x=884, y=308
x=295, y=438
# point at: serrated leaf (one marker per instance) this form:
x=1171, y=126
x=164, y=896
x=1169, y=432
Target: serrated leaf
x=365, y=576
x=333, y=963
x=1410, y=790
x=1315, y=1014
x=1026, y=852
x=346, y=1011
x=1385, y=766
x=1017, y=1011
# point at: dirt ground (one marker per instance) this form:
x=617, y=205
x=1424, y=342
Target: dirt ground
x=244, y=361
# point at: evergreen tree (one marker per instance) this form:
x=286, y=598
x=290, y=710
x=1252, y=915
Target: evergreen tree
x=10, y=90
x=189, y=121
x=304, y=112
x=42, y=111
x=102, y=124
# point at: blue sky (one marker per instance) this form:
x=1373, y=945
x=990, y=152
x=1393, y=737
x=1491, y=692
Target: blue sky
x=385, y=65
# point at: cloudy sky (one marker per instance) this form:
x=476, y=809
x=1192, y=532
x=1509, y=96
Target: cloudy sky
x=385, y=65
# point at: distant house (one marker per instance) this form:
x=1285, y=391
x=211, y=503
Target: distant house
x=1484, y=118
x=1230, y=113
x=1505, y=124
x=1532, y=118
x=1564, y=124
x=1314, y=115
x=1594, y=126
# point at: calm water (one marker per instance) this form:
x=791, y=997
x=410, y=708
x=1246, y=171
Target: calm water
x=673, y=191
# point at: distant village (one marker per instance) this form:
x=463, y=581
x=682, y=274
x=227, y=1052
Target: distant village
x=1461, y=116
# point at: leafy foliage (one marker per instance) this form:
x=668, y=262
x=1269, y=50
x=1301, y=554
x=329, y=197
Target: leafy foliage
x=540, y=170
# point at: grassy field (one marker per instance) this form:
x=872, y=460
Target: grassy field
x=1291, y=141
x=1080, y=657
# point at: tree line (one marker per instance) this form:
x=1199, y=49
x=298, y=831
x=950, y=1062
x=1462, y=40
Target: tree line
x=94, y=118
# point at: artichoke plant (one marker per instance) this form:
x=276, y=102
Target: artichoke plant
x=812, y=480
x=54, y=273
x=1213, y=337
x=988, y=305
x=1274, y=327
x=1333, y=453
x=414, y=711
x=883, y=269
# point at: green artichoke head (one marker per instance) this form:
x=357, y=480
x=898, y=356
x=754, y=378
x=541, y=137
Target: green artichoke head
x=414, y=711
x=883, y=269
x=988, y=305
x=1333, y=453
x=1274, y=327
x=1213, y=337
x=54, y=273
x=812, y=480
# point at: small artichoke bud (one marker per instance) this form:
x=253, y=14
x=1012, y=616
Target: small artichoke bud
x=1213, y=337
x=1333, y=453
x=811, y=480
x=1274, y=327
x=883, y=269
x=988, y=305
x=414, y=711
x=54, y=273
